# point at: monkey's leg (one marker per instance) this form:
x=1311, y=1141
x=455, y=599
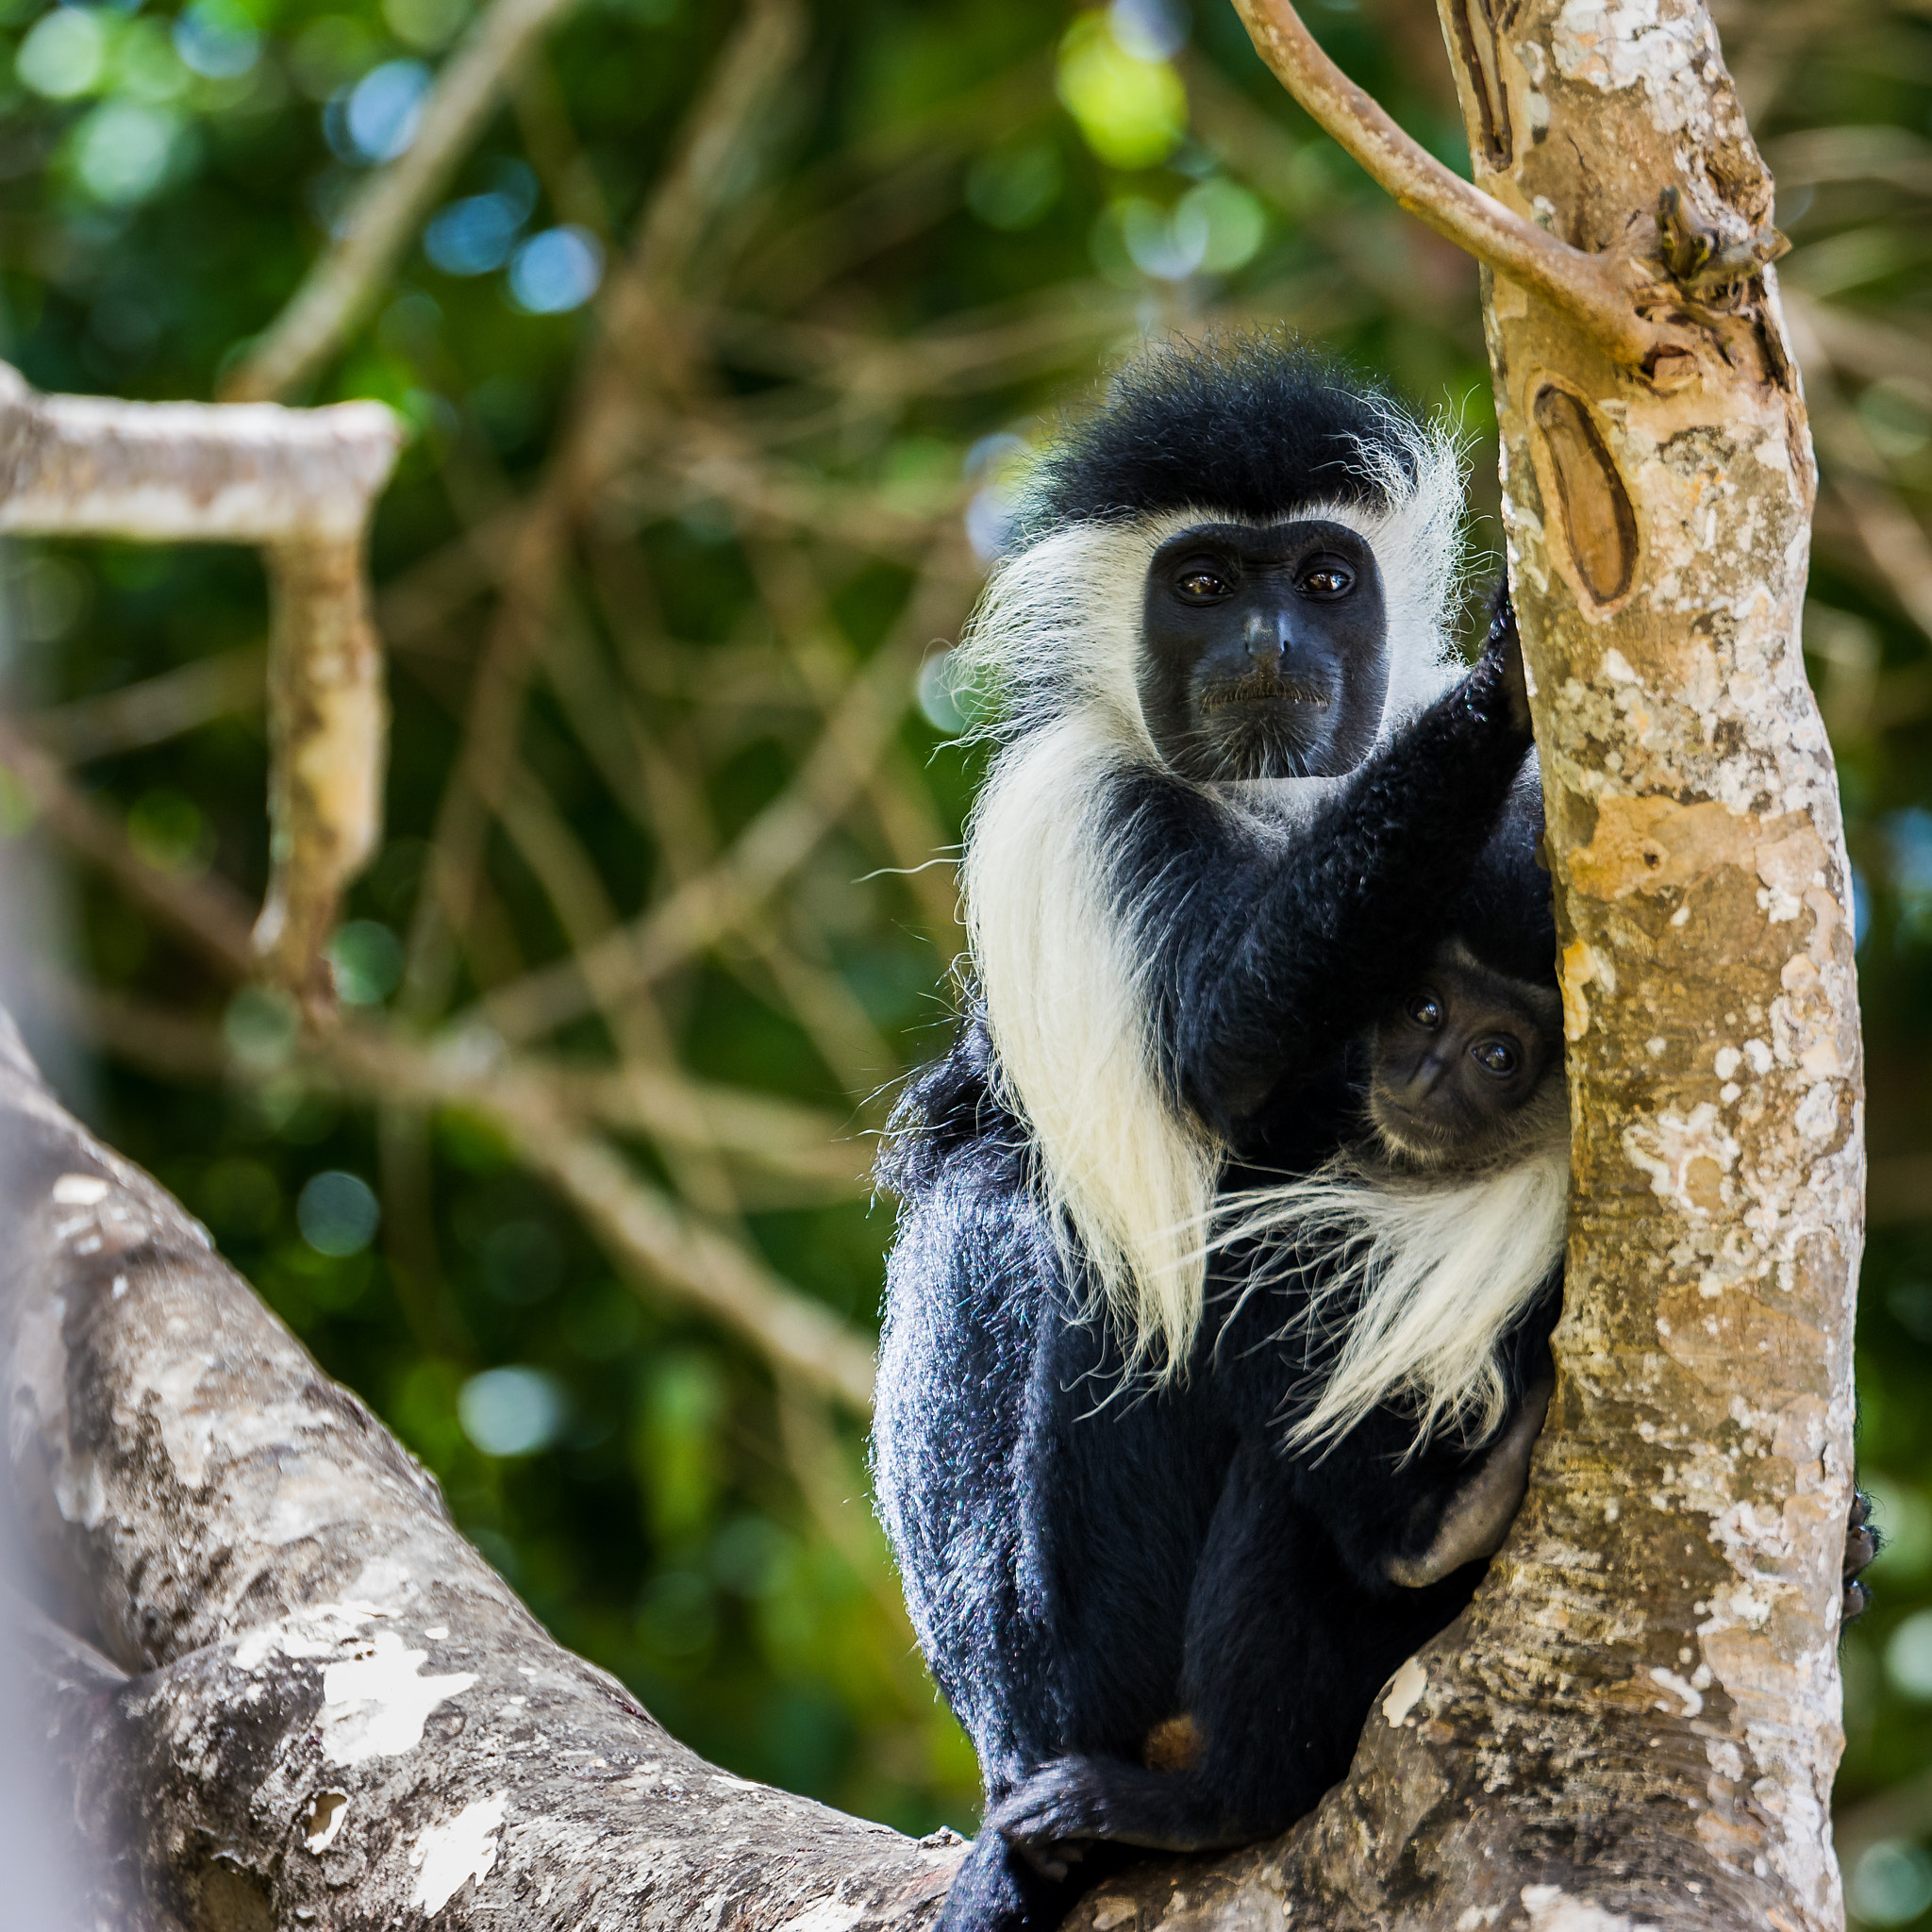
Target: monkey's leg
x=1051, y=1819
x=1242, y=1756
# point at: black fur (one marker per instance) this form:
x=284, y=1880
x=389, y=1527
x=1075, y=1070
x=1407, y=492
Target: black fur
x=1221, y=427
x=1084, y=1558
x=1087, y=1554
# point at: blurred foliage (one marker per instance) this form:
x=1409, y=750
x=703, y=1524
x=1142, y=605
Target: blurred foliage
x=947, y=220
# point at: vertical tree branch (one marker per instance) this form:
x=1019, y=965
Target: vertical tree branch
x=327, y=722
x=1636, y=1722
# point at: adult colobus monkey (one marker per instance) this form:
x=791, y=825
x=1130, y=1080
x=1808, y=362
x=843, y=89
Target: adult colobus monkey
x=1240, y=797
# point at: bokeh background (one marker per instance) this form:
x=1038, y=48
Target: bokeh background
x=721, y=359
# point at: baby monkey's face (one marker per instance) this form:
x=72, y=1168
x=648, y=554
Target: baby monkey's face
x=1459, y=1060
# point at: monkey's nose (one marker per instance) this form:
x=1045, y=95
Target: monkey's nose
x=1267, y=641
x=1422, y=1083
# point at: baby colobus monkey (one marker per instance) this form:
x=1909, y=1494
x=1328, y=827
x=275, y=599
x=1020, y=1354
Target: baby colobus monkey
x=1240, y=790
x=1456, y=1079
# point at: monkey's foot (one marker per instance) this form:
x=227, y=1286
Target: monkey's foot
x=1862, y=1542
x=1044, y=1818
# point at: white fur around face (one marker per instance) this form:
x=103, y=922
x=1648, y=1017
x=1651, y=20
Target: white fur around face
x=1057, y=635
x=1431, y=1275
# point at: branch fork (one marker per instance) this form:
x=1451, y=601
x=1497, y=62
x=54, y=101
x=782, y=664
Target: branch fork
x=1610, y=296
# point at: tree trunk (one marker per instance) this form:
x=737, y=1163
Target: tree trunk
x=1636, y=1723
x=335, y=1714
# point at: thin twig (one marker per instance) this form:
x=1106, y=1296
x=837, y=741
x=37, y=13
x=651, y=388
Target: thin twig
x=647, y=1228
x=207, y=911
x=570, y=880
x=771, y=848
x=340, y=285
x=151, y=711
x=1598, y=291
x=609, y=410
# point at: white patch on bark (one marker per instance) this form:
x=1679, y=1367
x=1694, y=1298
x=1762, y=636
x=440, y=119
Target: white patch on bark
x=375, y=1705
x=1669, y=1149
x=1817, y=1116
x=375, y=1701
x=1680, y=1688
x=79, y=1190
x=828, y=1915
x=1405, y=1691
x=325, y=1820
x=319, y=1630
x=1553, y=1909
x=456, y=1851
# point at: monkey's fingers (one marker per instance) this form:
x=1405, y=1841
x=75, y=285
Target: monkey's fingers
x=1862, y=1542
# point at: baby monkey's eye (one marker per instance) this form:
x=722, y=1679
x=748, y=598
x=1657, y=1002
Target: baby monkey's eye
x=1425, y=1010
x=1199, y=585
x=1326, y=577
x=1497, y=1056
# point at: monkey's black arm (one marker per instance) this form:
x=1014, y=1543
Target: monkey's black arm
x=1261, y=962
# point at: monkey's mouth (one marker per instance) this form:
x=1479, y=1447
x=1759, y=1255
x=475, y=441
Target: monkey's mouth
x=1417, y=1139
x=1262, y=687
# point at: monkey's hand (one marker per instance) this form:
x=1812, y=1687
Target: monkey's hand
x=1862, y=1542
x=1505, y=646
x=1479, y=1514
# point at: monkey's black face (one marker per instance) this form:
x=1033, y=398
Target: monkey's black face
x=1458, y=1061
x=1266, y=651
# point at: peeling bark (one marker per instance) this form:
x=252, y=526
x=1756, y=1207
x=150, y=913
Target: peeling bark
x=336, y=1715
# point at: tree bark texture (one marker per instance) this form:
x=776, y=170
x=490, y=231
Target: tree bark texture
x=329, y=721
x=334, y=1715
x=1637, y=1720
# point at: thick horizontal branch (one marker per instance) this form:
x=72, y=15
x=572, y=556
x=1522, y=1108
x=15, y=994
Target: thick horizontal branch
x=340, y=1714
x=191, y=473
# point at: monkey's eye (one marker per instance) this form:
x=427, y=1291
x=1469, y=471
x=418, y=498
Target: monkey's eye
x=1326, y=577
x=1497, y=1056
x=1197, y=584
x=1425, y=1010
